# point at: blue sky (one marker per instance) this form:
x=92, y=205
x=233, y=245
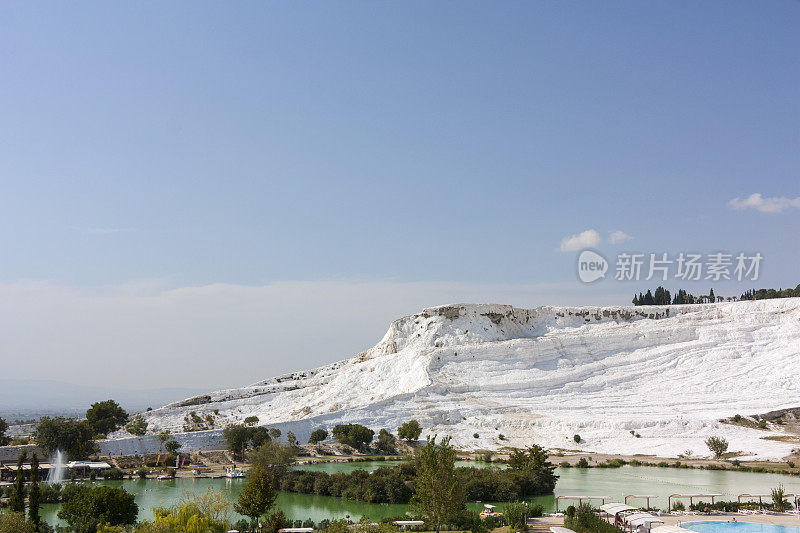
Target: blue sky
x=151, y=148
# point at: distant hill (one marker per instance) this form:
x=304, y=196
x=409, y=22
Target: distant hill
x=23, y=398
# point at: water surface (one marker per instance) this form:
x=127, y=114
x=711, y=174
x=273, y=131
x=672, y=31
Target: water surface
x=615, y=483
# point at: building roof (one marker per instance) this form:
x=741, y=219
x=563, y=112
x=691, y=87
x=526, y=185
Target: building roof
x=567, y=497
x=695, y=495
x=638, y=519
x=614, y=508
x=88, y=464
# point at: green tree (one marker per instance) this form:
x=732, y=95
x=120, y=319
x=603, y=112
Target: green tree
x=535, y=474
x=258, y=436
x=274, y=458
x=778, y=495
x=387, y=443
x=12, y=522
x=274, y=433
x=34, y=496
x=3, y=429
x=71, y=436
x=17, y=500
x=409, y=430
x=251, y=421
x=137, y=426
x=236, y=436
x=163, y=437
x=318, y=435
x=105, y=417
x=648, y=298
x=717, y=445
x=438, y=496
x=354, y=435
x=84, y=508
x=172, y=446
x=291, y=438
x=257, y=496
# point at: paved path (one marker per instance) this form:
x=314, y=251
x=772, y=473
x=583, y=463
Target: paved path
x=543, y=524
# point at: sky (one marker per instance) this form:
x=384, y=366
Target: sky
x=207, y=194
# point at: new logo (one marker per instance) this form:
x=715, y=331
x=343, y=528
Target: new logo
x=591, y=266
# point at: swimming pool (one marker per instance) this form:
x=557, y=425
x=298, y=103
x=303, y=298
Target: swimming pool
x=737, y=527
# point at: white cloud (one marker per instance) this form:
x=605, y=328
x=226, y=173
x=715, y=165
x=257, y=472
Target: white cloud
x=588, y=239
x=618, y=237
x=141, y=335
x=775, y=204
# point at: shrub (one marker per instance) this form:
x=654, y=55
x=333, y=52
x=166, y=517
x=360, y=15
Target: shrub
x=386, y=442
x=113, y=473
x=582, y=463
x=516, y=515
x=195, y=512
x=50, y=493
x=391, y=484
x=678, y=506
x=570, y=512
x=576, y=438
x=585, y=521
x=778, y=494
x=12, y=522
x=475, y=436
x=84, y=508
x=612, y=463
x=137, y=426
x=717, y=445
x=737, y=418
x=409, y=431
x=565, y=464
x=274, y=522
x=354, y=435
x=142, y=473
x=318, y=435
x=501, y=436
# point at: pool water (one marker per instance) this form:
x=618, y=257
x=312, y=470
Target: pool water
x=737, y=527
